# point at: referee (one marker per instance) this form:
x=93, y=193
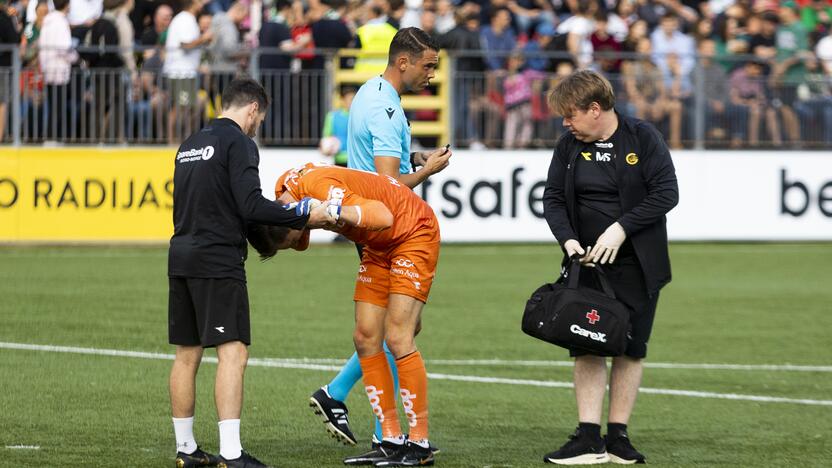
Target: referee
x=216, y=194
x=611, y=183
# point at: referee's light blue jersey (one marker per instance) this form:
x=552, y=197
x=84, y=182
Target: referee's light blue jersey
x=377, y=127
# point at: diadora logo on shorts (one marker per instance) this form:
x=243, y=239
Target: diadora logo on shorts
x=403, y=262
x=335, y=193
x=375, y=401
x=407, y=403
x=393, y=180
x=195, y=154
x=577, y=330
x=220, y=329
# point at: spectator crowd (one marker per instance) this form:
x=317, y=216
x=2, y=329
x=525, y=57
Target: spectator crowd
x=759, y=71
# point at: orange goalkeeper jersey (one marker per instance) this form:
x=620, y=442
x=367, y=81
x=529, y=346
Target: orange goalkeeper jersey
x=367, y=191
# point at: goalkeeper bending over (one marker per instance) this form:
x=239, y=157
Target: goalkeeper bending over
x=401, y=238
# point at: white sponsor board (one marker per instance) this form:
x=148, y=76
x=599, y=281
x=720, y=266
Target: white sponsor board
x=491, y=196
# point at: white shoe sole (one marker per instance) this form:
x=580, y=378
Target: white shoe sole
x=621, y=461
x=331, y=428
x=586, y=459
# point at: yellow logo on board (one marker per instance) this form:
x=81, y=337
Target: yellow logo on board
x=632, y=159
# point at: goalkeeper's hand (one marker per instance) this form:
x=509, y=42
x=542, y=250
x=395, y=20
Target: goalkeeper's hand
x=303, y=207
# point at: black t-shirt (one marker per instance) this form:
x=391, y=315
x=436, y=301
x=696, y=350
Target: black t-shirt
x=216, y=192
x=271, y=35
x=597, y=199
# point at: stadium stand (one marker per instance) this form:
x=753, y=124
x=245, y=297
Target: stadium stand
x=709, y=74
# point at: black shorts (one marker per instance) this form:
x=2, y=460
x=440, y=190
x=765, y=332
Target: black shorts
x=208, y=311
x=627, y=281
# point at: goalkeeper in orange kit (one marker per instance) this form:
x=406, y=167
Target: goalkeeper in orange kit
x=401, y=237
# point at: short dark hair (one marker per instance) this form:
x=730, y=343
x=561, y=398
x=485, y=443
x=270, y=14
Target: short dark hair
x=60, y=4
x=243, y=91
x=410, y=41
x=265, y=239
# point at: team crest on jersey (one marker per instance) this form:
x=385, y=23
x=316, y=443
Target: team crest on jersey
x=632, y=159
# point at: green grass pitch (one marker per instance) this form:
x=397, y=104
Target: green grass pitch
x=729, y=303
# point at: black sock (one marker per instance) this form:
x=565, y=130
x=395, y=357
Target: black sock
x=590, y=430
x=616, y=430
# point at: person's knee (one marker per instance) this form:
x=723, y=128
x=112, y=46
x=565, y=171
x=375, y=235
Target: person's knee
x=400, y=341
x=366, y=340
x=233, y=353
x=188, y=356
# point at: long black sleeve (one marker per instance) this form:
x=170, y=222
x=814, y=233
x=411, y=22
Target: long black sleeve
x=554, y=199
x=662, y=187
x=243, y=162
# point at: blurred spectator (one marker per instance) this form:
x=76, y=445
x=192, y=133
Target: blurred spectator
x=154, y=34
x=637, y=32
x=30, y=10
x=620, y=18
x=395, y=10
x=669, y=39
x=374, y=39
x=724, y=119
x=763, y=44
x=647, y=94
x=467, y=79
x=412, y=17
x=56, y=56
x=748, y=90
x=498, y=39
x=83, y=13
x=226, y=46
x=789, y=72
x=31, y=32
x=529, y=13
x=445, y=18
x=330, y=31
x=606, y=49
x=703, y=29
x=814, y=105
x=9, y=36
x=579, y=28
x=335, y=126
x=518, y=88
x=143, y=14
x=182, y=58
x=533, y=50
x=816, y=16
x=823, y=51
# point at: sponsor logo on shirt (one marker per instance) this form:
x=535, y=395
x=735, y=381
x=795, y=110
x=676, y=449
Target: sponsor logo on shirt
x=602, y=144
x=602, y=157
x=195, y=154
x=407, y=403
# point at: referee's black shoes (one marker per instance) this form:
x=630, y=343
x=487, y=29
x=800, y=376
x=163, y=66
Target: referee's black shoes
x=621, y=451
x=411, y=454
x=243, y=461
x=334, y=414
x=198, y=458
x=580, y=449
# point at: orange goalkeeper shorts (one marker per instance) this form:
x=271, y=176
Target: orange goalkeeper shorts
x=407, y=268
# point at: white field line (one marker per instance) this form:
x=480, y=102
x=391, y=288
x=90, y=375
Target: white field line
x=23, y=447
x=258, y=362
x=653, y=365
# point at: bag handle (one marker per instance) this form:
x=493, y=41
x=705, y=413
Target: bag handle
x=575, y=272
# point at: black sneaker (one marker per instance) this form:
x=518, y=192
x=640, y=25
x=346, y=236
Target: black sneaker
x=334, y=414
x=198, y=458
x=621, y=451
x=579, y=450
x=410, y=455
x=380, y=451
x=244, y=461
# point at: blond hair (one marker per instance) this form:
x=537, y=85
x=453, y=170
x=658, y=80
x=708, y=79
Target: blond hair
x=579, y=90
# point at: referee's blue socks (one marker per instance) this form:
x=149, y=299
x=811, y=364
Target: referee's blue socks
x=350, y=374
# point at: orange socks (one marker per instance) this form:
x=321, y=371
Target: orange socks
x=378, y=383
x=413, y=380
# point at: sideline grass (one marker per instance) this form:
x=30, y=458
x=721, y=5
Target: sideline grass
x=729, y=303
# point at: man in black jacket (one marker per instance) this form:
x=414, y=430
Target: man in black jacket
x=610, y=184
x=216, y=195
x=9, y=36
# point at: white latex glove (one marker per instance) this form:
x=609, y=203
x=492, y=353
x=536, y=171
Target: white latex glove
x=607, y=245
x=573, y=247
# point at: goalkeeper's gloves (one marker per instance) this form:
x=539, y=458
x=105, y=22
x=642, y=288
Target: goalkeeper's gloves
x=334, y=208
x=303, y=207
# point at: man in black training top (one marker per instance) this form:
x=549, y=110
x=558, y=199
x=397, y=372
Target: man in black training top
x=216, y=195
x=611, y=183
